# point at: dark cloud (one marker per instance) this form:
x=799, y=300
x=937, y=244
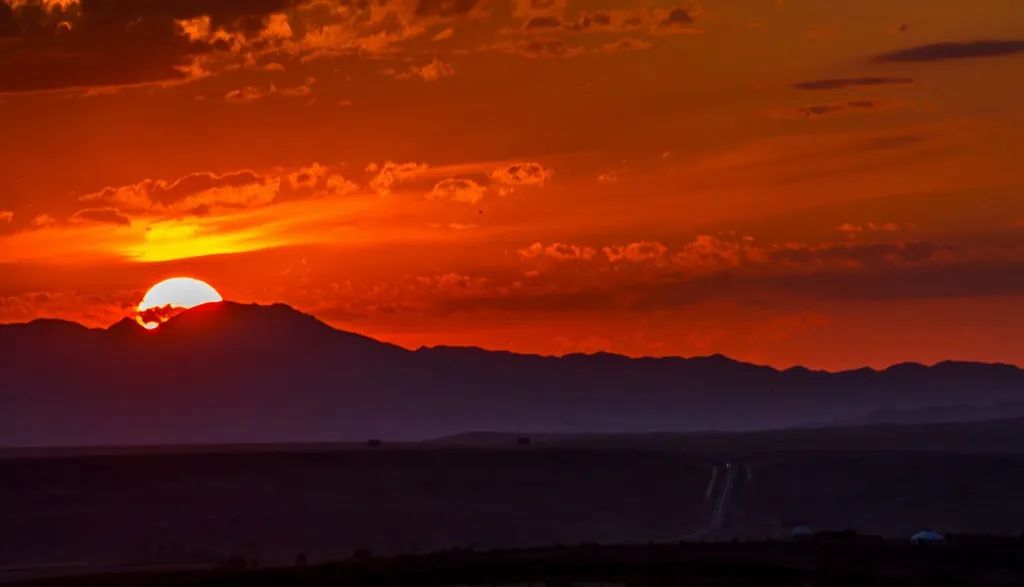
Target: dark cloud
x=677, y=17
x=834, y=280
x=159, y=314
x=826, y=109
x=113, y=42
x=538, y=48
x=840, y=83
x=859, y=255
x=543, y=22
x=940, y=51
x=627, y=44
x=596, y=19
x=8, y=24
x=529, y=173
x=445, y=8
x=103, y=215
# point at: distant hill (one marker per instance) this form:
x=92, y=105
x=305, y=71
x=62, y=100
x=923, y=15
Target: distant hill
x=945, y=413
x=990, y=436
x=245, y=373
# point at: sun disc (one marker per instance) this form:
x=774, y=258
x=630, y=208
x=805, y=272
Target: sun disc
x=171, y=296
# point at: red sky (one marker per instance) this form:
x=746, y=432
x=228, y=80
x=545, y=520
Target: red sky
x=787, y=182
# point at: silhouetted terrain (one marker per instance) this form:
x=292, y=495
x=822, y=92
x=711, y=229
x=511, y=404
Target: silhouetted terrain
x=201, y=506
x=993, y=436
x=236, y=373
x=204, y=508
x=825, y=560
x=946, y=413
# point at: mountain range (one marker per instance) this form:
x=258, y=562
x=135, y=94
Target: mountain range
x=230, y=373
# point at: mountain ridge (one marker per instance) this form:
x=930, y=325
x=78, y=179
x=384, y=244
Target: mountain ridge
x=129, y=324
x=229, y=372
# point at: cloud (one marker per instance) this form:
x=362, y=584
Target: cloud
x=102, y=215
x=445, y=8
x=543, y=23
x=49, y=46
x=6, y=216
x=715, y=253
x=203, y=193
x=243, y=95
x=391, y=173
x=709, y=252
x=57, y=45
x=87, y=308
x=848, y=82
x=637, y=252
x=458, y=190
x=444, y=35
x=677, y=17
x=954, y=50
x=160, y=194
x=819, y=110
x=627, y=44
x=851, y=229
x=315, y=179
x=300, y=91
x=430, y=72
x=538, y=48
x=522, y=174
x=531, y=8
x=858, y=255
x=594, y=21
x=43, y=220
x=558, y=251
x=249, y=94
x=455, y=225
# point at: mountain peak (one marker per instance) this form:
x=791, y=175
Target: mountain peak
x=223, y=313
x=231, y=372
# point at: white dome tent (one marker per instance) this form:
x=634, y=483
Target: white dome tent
x=801, y=532
x=927, y=537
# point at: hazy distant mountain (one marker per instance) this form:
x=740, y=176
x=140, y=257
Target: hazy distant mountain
x=245, y=373
x=1005, y=435
x=945, y=413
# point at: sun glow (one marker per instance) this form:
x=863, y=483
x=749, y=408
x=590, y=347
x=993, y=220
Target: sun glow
x=170, y=297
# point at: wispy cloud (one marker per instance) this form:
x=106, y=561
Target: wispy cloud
x=954, y=50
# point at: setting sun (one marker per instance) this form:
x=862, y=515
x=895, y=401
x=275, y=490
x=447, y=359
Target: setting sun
x=171, y=296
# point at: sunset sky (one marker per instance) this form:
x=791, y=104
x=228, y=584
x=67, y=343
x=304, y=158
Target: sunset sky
x=833, y=184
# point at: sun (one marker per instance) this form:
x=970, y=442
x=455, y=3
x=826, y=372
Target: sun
x=171, y=296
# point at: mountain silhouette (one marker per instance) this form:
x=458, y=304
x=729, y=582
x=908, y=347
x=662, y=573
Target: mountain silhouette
x=228, y=372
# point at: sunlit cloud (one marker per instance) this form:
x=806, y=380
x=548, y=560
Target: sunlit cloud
x=458, y=190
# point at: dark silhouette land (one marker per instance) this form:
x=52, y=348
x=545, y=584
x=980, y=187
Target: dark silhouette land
x=244, y=373
x=260, y=441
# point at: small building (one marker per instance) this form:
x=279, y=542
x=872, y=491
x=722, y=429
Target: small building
x=927, y=537
x=374, y=442
x=523, y=441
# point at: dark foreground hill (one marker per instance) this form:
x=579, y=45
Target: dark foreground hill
x=116, y=512
x=836, y=559
x=244, y=373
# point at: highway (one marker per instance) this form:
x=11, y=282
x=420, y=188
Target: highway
x=722, y=503
x=721, y=492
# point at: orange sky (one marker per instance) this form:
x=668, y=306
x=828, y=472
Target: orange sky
x=832, y=184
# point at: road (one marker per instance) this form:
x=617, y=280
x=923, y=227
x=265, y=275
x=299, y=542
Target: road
x=721, y=493
x=722, y=503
